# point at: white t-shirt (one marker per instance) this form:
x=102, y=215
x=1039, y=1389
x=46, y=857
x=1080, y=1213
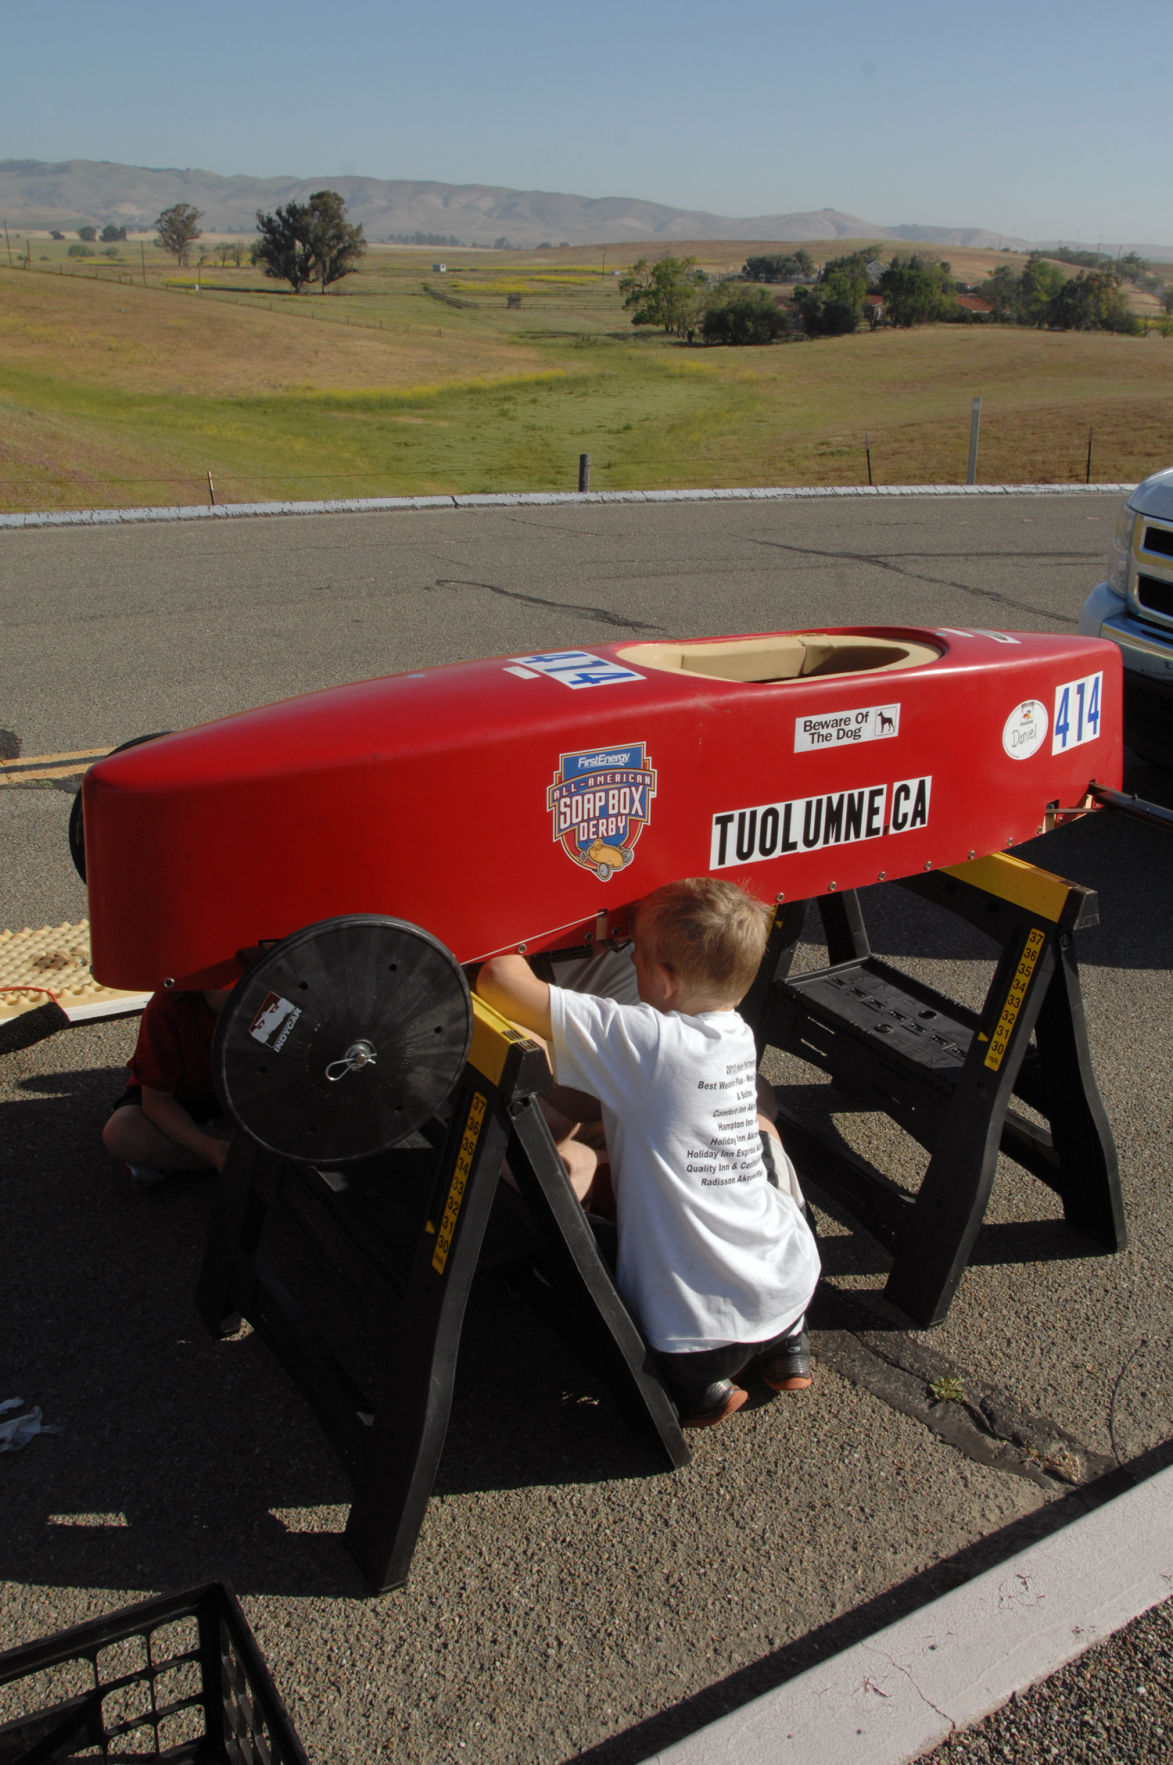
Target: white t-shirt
x=710, y=1253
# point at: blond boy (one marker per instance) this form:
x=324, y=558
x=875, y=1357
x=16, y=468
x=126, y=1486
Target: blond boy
x=715, y=1258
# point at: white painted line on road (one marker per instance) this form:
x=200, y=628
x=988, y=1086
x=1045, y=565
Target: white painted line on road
x=537, y=499
x=893, y=1697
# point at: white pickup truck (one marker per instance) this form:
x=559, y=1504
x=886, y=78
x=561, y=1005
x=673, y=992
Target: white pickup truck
x=1134, y=608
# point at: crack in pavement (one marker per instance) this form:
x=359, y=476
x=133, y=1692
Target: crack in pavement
x=986, y=1424
x=547, y=526
x=933, y=581
x=597, y=615
x=899, y=1667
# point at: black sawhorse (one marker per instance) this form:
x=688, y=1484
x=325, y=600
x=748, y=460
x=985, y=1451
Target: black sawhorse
x=948, y=1075
x=408, y=1271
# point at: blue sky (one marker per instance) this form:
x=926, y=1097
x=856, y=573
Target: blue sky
x=1035, y=120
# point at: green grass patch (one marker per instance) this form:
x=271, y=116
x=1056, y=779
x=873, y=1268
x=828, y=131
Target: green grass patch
x=123, y=392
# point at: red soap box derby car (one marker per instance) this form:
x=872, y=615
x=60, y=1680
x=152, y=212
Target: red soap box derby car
x=510, y=803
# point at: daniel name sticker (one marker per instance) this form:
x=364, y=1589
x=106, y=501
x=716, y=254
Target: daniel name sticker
x=1024, y=731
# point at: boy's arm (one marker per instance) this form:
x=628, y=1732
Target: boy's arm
x=510, y=986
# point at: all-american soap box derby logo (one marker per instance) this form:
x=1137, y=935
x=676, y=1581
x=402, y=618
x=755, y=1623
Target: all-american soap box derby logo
x=601, y=801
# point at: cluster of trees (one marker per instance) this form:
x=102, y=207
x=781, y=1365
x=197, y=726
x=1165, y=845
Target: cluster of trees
x=779, y=266
x=834, y=305
x=1130, y=267
x=110, y=234
x=418, y=238
x=675, y=295
x=302, y=242
x=914, y=290
x=1041, y=295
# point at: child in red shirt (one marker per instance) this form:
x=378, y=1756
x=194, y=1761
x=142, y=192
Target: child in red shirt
x=168, y=1119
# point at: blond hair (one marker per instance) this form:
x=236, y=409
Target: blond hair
x=711, y=934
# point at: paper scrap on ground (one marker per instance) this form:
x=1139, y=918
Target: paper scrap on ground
x=17, y=1431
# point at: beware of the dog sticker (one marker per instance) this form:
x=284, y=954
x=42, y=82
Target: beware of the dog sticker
x=840, y=729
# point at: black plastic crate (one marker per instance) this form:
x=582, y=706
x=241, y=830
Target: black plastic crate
x=177, y=1678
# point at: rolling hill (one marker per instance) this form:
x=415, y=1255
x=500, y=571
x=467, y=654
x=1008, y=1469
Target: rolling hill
x=71, y=193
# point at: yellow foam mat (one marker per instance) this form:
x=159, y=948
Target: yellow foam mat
x=52, y=964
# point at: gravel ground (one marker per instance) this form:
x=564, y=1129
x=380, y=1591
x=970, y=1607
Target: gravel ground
x=1112, y=1706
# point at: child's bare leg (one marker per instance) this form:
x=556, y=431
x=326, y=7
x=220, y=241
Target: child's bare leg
x=581, y=1162
x=129, y=1135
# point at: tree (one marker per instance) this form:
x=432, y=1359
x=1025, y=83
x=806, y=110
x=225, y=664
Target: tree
x=779, y=266
x=737, y=314
x=668, y=293
x=1133, y=268
x=834, y=307
x=87, y=235
x=1003, y=290
x=335, y=244
x=916, y=291
x=178, y=228
x=112, y=235
x=308, y=241
x=1039, y=284
x=282, y=245
x=1092, y=301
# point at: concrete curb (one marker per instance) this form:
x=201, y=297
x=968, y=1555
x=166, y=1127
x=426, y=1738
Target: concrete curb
x=903, y=1691
x=537, y=499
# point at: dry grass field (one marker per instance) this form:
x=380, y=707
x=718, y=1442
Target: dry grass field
x=127, y=382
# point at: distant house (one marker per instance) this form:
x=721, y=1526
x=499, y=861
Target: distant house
x=873, y=309
x=439, y=269
x=974, y=305
x=876, y=269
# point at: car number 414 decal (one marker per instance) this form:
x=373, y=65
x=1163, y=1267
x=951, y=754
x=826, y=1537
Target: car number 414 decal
x=1077, y=713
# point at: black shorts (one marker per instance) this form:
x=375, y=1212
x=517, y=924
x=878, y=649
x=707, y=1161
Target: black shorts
x=201, y=1109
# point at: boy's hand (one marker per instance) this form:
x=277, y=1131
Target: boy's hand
x=510, y=986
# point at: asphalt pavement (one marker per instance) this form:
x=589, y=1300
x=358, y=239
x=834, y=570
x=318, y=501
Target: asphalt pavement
x=568, y=1598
